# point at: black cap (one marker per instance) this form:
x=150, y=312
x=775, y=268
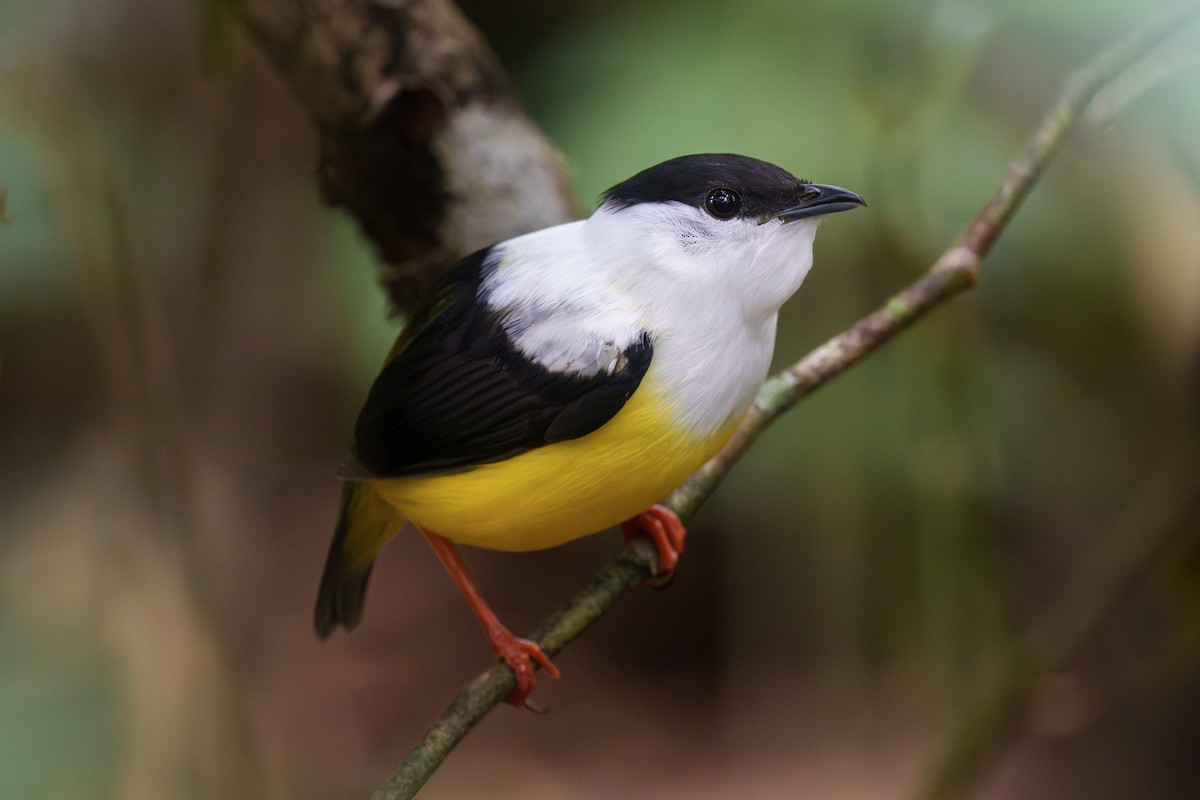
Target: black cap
x=760, y=191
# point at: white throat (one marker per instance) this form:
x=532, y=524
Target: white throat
x=707, y=291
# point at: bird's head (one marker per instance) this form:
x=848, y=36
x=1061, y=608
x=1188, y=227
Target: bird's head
x=720, y=220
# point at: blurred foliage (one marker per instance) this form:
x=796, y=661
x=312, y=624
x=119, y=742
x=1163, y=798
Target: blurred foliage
x=186, y=334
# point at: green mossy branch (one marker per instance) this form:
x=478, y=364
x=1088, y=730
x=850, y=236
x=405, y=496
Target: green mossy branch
x=632, y=566
x=955, y=271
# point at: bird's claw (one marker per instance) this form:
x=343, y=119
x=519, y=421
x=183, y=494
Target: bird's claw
x=663, y=527
x=520, y=654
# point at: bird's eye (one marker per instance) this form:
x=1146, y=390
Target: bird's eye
x=723, y=203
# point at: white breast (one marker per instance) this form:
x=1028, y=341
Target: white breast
x=576, y=295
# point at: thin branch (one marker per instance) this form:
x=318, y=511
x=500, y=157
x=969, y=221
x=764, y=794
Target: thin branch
x=628, y=570
x=955, y=271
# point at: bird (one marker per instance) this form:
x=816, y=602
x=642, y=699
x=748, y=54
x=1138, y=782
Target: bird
x=561, y=382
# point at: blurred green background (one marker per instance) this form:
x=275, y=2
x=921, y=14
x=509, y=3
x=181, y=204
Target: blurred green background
x=186, y=333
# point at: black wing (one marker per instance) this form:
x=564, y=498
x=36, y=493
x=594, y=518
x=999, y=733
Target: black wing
x=459, y=393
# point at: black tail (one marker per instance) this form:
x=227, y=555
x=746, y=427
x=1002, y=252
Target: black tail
x=343, y=590
x=340, y=600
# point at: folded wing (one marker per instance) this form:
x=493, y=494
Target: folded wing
x=458, y=392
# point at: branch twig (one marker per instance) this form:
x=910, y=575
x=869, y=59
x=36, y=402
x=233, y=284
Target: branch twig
x=955, y=271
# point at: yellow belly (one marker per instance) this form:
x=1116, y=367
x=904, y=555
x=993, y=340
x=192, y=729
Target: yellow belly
x=562, y=491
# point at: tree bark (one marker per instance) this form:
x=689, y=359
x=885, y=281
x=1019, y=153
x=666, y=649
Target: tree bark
x=421, y=137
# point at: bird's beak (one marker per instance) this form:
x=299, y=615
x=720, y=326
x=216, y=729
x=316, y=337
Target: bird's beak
x=818, y=199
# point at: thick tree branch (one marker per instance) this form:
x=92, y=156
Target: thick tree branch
x=421, y=137
x=955, y=271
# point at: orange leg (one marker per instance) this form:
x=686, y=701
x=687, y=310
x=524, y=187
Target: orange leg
x=517, y=653
x=664, y=529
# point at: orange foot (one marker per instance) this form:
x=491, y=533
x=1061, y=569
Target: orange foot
x=664, y=529
x=520, y=654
